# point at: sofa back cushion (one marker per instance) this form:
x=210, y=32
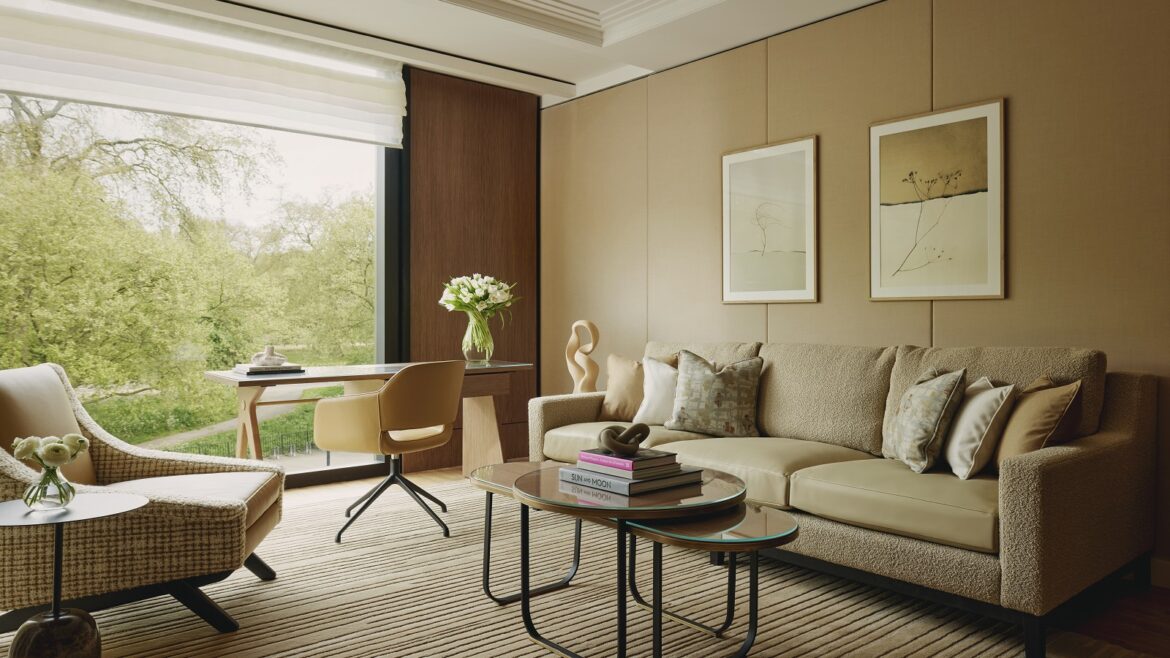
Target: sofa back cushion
x=720, y=354
x=829, y=393
x=1009, y=365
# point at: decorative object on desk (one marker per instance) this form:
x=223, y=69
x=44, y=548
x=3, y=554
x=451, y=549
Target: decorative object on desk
x=269, y=357
x=623, y=441
x=481, y=298
x=51, y=490
x=770, y=223
x=582, y=368
x=282, y=369
x=936, y=205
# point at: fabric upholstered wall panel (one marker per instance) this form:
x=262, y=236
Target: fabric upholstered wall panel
x=593, y=227
x=1009, y=365
x=832, y=79
x=1086, y=238
x=696, y=113
x=799, y=381
x=463, y=221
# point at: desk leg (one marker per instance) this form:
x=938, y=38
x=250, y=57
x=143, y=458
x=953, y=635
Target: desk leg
x=248, y=432
x=481, y=434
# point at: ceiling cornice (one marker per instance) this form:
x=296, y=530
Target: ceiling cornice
x=609, y=26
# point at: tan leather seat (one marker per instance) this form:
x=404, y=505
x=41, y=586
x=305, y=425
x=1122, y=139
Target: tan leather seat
x=563, y=443
x=884, y=494
x=765, y=464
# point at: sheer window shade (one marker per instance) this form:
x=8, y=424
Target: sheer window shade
x=129, y=55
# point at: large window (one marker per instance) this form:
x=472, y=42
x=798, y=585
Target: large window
x=138, y=250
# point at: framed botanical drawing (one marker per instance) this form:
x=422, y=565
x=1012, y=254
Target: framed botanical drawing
x=936, y=205
x=770, y=223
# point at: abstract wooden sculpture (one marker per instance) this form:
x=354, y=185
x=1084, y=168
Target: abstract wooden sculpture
x=582, y=368
x=623, y=440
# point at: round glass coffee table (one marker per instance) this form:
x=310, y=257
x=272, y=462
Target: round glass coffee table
x=746, y=528
x=544, y=490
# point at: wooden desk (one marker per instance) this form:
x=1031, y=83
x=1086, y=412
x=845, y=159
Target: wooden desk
x=483, y=382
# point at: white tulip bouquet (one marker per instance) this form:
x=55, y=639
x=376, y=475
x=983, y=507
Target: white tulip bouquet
x=52, y=490
x=481, y=298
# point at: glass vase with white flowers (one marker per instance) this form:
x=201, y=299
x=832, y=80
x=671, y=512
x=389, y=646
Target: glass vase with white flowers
x=481, y=298
x=51, y=490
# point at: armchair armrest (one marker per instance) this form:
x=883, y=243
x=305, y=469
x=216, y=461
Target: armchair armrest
x=351, y=423
x=553, y=411
x=1071, y=515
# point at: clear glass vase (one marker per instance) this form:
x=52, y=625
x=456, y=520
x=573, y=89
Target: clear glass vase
x=477, y=340
x=51, y=491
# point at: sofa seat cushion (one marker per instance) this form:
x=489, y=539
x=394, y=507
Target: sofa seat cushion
x=764, y=463
x=257, y=490
x=883, y=494
x=564, y=443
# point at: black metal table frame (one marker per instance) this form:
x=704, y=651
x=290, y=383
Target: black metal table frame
x=543, y=589
x=627, y=584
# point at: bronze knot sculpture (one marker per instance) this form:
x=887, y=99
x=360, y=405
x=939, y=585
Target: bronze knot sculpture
x=623, y=440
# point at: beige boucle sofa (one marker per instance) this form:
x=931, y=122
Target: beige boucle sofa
x=1021, y=541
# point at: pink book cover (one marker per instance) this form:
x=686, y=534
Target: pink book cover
x=606, y=460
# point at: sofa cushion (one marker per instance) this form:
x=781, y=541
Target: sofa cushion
x=564, y=443
x=915, y=434
x=718, y=353
x=883, y=494
x=34, y=402
x=827, y=393
x=1010, y=365
x=1041, y=418
x=623, y=388
x=718, y=402
x=256, y=489
x=763, y=463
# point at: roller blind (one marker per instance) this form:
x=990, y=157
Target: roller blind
x=116, y=52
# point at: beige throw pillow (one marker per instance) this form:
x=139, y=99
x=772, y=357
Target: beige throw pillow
x=658, y=385
x=915, y=433
x=1045, y=415
x=623, y=388
x=977, y=427
x=717, y=402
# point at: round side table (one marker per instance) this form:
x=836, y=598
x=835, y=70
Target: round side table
x=71, y=632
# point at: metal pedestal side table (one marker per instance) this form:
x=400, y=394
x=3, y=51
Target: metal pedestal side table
x=69, y=633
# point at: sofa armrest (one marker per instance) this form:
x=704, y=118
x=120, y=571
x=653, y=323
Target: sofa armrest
x=553, y=411
x=1071, y=515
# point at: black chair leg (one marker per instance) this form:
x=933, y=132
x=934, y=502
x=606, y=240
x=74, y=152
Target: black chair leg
x=422, y=492
x=199, y=603
x=413, y=490
x=413, y=494
x=370, y=498
x=259, y=568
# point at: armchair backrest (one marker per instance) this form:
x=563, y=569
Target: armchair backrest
x=422, y=395
x=34, y=402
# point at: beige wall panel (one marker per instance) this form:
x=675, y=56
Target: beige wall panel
x=593, y=226
x=833, y=79
x=696, y=113
x=1088, y=199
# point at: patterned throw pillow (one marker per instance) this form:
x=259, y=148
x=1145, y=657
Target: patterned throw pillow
x=717, y=402
x=915, y=433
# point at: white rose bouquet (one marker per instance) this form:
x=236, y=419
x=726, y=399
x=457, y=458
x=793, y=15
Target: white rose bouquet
x=481, y=298
x=52, y=490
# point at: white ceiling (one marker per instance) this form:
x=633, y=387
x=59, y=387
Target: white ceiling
x=590, y=43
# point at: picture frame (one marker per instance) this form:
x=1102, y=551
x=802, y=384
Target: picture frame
x=937, y=205
x=770, y=223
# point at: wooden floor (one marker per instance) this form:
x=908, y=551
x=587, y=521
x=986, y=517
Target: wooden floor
x=1115, y=613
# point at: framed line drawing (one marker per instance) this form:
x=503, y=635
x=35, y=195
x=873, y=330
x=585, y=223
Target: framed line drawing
x=770, y=223
x=936, y=205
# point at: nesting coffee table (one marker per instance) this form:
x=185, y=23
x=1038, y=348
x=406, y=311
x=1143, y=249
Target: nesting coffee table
x=710, y=517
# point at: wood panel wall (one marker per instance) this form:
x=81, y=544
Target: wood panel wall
x=472, y=153
x=1087, y=86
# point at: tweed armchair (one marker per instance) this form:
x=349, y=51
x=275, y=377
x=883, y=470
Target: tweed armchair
x=205, y=518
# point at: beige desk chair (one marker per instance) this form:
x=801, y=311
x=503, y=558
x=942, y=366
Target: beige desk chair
x=414, y=411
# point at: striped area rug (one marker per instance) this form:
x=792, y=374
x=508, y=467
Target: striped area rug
x=397, y=588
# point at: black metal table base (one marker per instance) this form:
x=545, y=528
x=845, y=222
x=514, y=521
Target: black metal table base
x=713, y=631
x=544, y=589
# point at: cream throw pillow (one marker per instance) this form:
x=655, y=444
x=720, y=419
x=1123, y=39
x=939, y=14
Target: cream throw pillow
x=718, y=402
x=915, y=434
x=978, y=424
x=623, y=388
x=659, y=382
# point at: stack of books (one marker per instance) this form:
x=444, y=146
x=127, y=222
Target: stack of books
x=648, y=470
x=253, y=369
